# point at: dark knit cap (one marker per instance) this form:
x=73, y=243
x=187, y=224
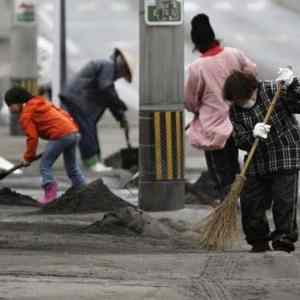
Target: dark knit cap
x=17, y=95
x=202, y=34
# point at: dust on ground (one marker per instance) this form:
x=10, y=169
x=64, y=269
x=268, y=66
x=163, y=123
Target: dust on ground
x=92, y=213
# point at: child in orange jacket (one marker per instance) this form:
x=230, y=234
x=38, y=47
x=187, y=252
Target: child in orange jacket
x=39, y=118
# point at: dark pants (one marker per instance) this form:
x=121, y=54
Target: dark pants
x=89, y=143
x=223, y=165
x=279, y=191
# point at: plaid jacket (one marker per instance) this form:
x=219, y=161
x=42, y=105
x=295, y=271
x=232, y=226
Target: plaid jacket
x=281, y=150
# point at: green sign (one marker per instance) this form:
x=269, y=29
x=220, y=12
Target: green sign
x=163, y=12
x=24, y=11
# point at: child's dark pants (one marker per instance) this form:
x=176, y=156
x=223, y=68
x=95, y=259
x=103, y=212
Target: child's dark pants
x=276, y=190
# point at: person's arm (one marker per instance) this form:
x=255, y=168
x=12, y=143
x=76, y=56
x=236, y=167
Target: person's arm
x=290, y=92
x=193, y=90
x=242, y=136
x=32, y=137
x=291, y=97
x=116, y=106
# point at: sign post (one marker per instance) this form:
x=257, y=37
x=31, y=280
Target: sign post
x=59, y=60
x=24, y=69
x=162, y=184
x=162, y=13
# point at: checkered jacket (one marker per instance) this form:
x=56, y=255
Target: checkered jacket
x=281, y=150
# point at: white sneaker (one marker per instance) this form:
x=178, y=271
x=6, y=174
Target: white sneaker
x=99, y=167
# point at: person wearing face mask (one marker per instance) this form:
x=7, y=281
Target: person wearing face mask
x=272, y=179
x=89, y=94
x=211, y=128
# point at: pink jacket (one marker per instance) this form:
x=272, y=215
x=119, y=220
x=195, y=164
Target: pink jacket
x=211, y=126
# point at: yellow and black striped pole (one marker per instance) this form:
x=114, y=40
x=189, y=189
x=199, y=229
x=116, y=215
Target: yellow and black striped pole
x=161, y=159
x=30, y=84
x=168, y=145
x=162, y=140
x=161, y=156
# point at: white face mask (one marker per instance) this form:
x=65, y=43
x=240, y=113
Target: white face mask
x=250, y=103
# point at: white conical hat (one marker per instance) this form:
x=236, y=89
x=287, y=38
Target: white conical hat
x=127, y=61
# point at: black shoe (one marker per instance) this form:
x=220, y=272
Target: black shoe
x=283, y=245
x=261, y=246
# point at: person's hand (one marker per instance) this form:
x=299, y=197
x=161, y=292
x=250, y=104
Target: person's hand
x=25, y=163
x=261, y=130
x=285, y=75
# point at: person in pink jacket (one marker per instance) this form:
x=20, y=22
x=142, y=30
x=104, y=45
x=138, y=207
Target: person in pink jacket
x=211, y=129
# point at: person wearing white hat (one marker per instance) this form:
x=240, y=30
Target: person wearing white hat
x=89, y=94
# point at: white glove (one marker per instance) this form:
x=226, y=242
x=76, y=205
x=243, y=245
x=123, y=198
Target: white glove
x=261, y=130
x=285, y=74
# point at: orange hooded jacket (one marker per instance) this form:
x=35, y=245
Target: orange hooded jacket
x=41, y=119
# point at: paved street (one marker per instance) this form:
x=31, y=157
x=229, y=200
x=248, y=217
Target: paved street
x=43, y=262
x=48, y=256
x=31, y=275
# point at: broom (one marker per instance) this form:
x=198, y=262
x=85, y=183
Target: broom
x=220, y=228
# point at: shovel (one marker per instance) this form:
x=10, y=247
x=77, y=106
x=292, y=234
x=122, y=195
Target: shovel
x=126, y=157
x=129, y=155
x=16, y=167
x=127, y=137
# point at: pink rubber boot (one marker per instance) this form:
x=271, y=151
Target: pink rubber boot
x=50, y=193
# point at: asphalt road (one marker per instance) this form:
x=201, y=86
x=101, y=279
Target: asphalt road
x=48, y=256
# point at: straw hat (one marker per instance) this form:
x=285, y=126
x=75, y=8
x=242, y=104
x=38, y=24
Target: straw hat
x=126, y=61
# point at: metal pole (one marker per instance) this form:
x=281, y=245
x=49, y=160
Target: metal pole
x=63, y=54
x=59, y=50
x=161, y=185
x=6, y=11
x=23, y=52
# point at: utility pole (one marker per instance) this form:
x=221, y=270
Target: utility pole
x=59, y=60
x=23, y=52
x=6, y=10
x=162, y=184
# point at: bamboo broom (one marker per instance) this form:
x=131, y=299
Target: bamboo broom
x=220, y=228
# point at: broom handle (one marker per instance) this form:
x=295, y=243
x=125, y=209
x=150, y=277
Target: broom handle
x=127, y=137
x=266, y=120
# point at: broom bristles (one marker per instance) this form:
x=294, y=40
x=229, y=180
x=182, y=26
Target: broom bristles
x=220, y=228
